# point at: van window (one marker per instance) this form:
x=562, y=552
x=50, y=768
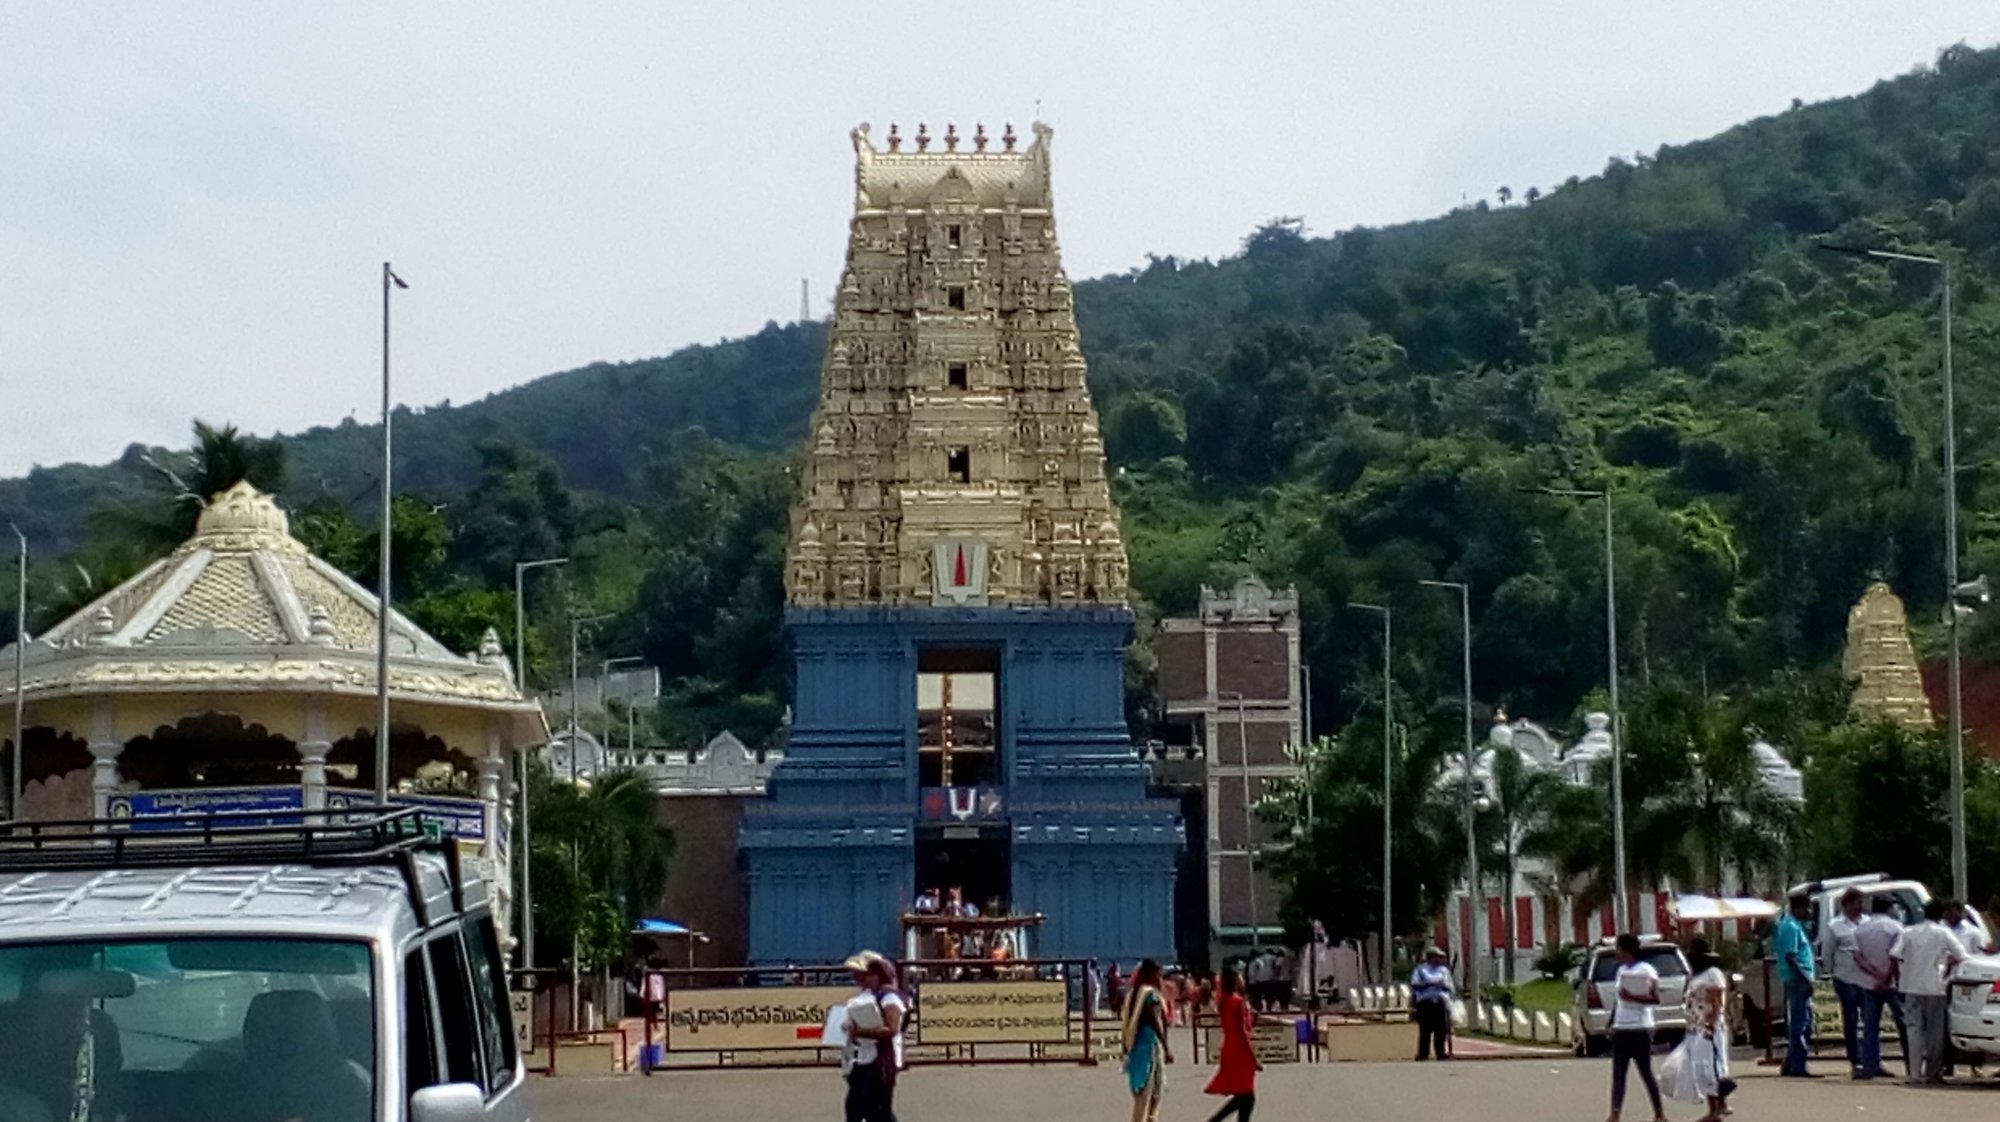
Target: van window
x=1665, y=960
x=489, y=984
x=272, y=1027
x=419, y=1044
x=456, y=1012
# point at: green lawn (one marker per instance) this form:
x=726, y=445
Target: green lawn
x=1543, y=995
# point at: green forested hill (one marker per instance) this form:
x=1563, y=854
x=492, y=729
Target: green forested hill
x=1350, y=413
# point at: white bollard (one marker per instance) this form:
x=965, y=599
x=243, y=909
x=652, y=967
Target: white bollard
x=1545, y=1029
x=1523, y=1027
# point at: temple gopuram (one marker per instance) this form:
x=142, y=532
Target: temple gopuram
x=1881, y=663
x=957, y=588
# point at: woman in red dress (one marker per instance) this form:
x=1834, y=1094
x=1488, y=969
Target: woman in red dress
x=1237, y=1074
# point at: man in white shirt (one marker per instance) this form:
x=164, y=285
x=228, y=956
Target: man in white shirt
x=1837, y=948
x=1925, y=954
x=1965, y=924
x=1257, y=972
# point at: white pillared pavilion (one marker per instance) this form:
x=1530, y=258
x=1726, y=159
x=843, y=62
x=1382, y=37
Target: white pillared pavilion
x=238, y=673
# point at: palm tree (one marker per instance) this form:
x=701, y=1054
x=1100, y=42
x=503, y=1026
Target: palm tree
x=1521, y=795
x=186, y=481
x=596, y=845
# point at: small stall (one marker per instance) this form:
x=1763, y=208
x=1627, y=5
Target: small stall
x=931, y=936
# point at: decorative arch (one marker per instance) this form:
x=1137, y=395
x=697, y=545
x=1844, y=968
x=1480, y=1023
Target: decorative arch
x=211, y=749
x=414, y=758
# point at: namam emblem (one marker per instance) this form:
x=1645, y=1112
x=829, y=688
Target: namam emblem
x=960, y=565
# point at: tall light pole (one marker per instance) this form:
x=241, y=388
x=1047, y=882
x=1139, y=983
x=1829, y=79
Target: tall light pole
x=603, y=677
x=1388, y=788
x=1954, y=590
x=1476, y=900
x=389, y=281
x=1619, y=905
x=576, y=624
x=20, y=675
x=1249, y=848
x=521, y=569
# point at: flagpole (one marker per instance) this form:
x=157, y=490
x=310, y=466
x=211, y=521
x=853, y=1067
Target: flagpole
x=382, y=575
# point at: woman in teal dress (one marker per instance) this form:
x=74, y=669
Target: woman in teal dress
x=1146, y=1047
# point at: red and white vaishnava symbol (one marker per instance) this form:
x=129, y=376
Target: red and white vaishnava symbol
x=960, y=568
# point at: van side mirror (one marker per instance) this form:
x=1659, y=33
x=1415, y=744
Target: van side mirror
x=449, y=1102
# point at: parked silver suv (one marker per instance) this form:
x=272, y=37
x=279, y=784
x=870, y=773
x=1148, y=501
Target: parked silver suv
x=337, y=971
x=1596, y=984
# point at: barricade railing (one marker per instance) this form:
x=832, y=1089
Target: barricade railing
x=1021, y=1011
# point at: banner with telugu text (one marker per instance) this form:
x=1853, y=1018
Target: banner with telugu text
x=747, y=1019
x=1033, y=1012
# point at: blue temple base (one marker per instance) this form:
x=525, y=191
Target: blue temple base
x=831, y=852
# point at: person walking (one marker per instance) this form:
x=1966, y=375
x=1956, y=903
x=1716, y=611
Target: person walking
x=1145, y=1038
x=1708, y=1027
x=1430, y=1003
x=1236, y=1071
x=1925, y=955
x=1839, y=948
x=874, y=1050
x=1636, y=992
x=1795, y=972
x=1874, y=938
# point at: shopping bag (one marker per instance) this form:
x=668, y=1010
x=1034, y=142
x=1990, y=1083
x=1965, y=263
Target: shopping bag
x=1677, y=1076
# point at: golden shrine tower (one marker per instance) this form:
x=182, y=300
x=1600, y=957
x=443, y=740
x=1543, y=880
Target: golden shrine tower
x=955, y=456
x=956, y=594
x=1881, y=663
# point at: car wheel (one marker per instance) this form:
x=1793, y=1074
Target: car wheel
x=1596, y=1045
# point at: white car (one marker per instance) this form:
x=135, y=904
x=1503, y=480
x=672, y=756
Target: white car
x=1975, y=1006
x=1596, y=983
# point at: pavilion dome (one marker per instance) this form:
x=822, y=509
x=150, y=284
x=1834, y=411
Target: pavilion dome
x=242, y=606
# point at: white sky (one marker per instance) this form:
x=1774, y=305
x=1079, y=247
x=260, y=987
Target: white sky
x=195, y=198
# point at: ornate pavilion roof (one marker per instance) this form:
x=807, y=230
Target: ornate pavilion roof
x=242, y=606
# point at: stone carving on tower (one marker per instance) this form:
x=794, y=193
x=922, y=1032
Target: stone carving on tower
x=1881, y=663
x=954, y=457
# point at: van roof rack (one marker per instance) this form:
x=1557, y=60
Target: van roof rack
x=348, y=836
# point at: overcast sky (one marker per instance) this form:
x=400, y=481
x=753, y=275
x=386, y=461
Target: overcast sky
x=195, y=198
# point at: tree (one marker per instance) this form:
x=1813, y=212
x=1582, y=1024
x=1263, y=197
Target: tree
x=181, y=485
x=1506, y=194
x=597, y=845
x=1521, y=795
x=1330, y=867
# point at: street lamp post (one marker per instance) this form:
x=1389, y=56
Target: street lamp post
x=521, y=569
x=1477, y=903
x=20, y=675
x=1388, y=788
x=390, y=281
x=1953, y=589
x=603, y=678
x=1619, y=906
x=576, y=624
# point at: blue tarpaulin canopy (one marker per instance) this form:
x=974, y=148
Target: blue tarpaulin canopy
x=659, y=927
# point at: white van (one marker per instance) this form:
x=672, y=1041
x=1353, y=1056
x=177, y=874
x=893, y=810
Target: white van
x=195, y=970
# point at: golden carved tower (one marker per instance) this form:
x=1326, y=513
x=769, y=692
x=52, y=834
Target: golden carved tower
x=1881, y=663
x=954, y=457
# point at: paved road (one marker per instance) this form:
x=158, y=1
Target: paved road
x=1512, y=1090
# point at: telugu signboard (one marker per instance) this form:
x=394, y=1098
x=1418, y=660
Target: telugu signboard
x=1273, y=1042
x=1035, y=1012
x=251, y=806
x=749, y=1019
